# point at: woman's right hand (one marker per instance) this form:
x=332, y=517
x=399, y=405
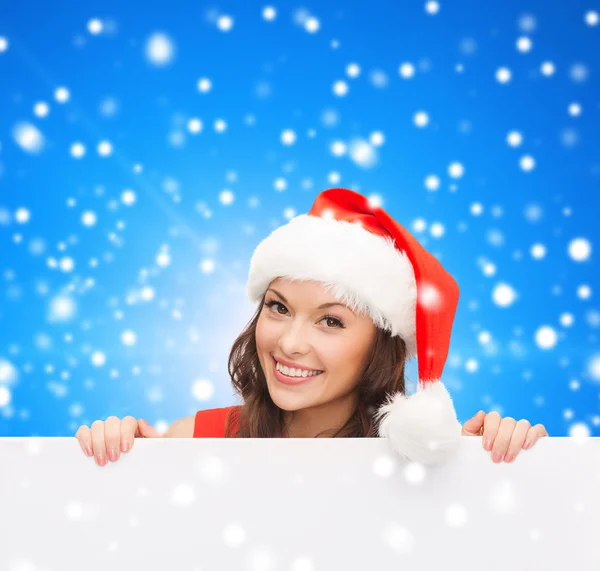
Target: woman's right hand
x=111, y=437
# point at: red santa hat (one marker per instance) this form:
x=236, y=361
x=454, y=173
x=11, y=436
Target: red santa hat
x=370, y=262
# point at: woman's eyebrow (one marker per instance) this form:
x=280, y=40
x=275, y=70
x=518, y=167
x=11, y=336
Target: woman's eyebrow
x=322, y=306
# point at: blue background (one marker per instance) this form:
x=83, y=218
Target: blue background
x=268, y=76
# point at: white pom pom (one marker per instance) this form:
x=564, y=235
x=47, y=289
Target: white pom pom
x=422, y=427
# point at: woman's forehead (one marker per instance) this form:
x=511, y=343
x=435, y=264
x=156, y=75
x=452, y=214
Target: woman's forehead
x=292, y=285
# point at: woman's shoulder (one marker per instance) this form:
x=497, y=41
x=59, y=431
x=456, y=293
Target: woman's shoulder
x=211, y=423
x=182, y=428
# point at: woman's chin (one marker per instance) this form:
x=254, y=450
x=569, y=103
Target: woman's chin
x=286, y=400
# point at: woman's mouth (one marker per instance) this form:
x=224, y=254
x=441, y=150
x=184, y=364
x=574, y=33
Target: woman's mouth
x=291, y=380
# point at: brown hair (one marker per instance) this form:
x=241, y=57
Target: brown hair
x=260, y=417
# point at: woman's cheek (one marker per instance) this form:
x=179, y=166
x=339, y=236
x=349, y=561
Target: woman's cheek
x=260, y=335
x=266, y=333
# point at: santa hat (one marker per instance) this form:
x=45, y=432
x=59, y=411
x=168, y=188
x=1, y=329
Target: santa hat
x=373, y=264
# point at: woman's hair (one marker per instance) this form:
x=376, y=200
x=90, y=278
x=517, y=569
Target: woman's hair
x=260, y=417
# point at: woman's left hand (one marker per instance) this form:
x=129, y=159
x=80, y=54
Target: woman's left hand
x=504, y=437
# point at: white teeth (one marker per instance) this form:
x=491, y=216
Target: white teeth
x=291, y=372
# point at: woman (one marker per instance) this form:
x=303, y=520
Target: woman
x=346, y=295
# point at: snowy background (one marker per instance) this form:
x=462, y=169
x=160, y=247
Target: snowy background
x=147, y=148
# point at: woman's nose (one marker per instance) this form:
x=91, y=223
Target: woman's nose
x=294, y=339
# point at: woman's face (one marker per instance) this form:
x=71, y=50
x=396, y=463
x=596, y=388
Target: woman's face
x=291, y=327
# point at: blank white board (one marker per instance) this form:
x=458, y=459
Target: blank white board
x=297, y=505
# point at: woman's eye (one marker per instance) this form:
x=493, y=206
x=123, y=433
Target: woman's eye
x=337, y=322
x=270, y=304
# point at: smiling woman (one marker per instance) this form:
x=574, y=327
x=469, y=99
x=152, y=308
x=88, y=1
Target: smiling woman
x=346, y=290
x=345, y=296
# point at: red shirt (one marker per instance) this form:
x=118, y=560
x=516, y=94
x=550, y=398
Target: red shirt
x=211, y=423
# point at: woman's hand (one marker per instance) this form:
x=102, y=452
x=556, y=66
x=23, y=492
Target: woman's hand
x=113, y=436
x=504, y=437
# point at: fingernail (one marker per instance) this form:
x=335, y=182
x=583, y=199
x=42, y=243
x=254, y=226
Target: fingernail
x=508, y=458
x=101, y=460
x=497, y=457
x=88, y=451
x=527, y=444
x=124, y=446
x=112, y=455
x=488, y=445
